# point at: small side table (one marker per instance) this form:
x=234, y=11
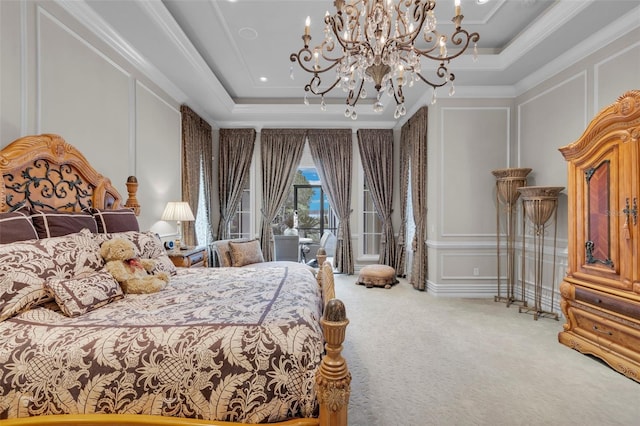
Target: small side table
x=192, y=257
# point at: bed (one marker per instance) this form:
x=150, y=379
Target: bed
x=260, y=343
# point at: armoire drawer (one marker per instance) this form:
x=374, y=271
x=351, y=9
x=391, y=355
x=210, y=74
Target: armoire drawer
x=608, y=302
x=605, y=331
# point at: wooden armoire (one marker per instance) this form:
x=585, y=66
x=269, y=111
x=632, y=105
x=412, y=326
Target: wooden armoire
x=601, y=290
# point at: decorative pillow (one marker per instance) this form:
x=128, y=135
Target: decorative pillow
x=16, y=226
x=57, y=223
x=120, y=220
x=223, y=252
x=25, y=266
x=76, y=296
x=245, y=252
x=148, y=246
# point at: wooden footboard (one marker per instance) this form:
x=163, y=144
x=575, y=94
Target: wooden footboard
x=134, y=420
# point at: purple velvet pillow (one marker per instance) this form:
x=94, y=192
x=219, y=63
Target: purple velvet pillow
x=57, y=223
x=16, y=226
x=120, y=220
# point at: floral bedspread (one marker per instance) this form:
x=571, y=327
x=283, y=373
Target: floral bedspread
x=233, y=344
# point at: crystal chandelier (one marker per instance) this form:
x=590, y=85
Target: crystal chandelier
x=374, y=41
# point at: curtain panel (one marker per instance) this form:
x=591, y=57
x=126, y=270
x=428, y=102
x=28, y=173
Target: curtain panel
x=332, y=153
x=405, y=150
x=196, y=159
x=207, y=180
x=234, y=163
x=418, y=135
x=281, y=150
x=376, y=153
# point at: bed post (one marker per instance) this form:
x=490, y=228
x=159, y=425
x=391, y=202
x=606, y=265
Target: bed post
x=333, y=379
x=132, y=189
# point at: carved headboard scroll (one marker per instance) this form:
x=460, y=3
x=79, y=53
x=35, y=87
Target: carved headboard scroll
x=45, y=172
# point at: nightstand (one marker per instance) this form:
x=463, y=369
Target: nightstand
x=193, y=257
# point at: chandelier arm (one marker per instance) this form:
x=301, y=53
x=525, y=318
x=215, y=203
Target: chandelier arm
x=299, y=57
x=457, y=38
x=436, y=85
x=399, y=96
x=356, y=98
x=419, y=15
x=315, y=82
x=350, y=46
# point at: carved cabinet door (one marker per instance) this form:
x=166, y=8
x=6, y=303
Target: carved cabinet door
x=607, y=223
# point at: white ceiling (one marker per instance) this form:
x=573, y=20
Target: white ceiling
x=202, y=51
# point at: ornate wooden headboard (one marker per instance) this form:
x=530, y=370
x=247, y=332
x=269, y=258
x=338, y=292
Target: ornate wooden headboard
x=45, y=172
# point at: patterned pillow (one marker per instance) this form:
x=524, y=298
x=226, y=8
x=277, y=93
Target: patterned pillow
x=57, y=223
x=245, y=252
x=120, y=220
x=16, y=226
x=148, y=245
x=25, y=266
x=76, y=296
x=223, y=253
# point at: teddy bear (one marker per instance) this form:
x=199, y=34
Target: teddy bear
x=132, y=272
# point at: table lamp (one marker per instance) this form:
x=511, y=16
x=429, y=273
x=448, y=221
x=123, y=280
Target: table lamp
x=178, y=211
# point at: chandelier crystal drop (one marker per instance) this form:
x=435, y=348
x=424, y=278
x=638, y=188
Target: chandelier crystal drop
x=381, y=42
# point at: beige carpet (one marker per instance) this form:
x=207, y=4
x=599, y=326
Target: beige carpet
x=423, y=360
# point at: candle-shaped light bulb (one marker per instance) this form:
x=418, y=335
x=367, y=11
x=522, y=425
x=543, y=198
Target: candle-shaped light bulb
x=457, y=3
x=307, y=24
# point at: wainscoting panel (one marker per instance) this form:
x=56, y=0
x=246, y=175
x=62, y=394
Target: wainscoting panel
x=83, y=96
x=158, y=154
x=453, y=269
x=617, y=74
x=547, y=121
x=469, y=152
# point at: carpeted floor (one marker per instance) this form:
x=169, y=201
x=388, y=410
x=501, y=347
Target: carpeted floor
x=423, y=360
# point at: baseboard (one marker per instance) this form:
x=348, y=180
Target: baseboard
x=477, y=290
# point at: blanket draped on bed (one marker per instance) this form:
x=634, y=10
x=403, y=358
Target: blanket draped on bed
x=233, y=344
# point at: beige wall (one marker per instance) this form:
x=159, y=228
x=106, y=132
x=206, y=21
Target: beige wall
x=55, y=77
x=467, y=140
x=470, y=137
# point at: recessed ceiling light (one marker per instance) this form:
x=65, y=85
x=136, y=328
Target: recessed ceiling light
x=482, y=1
x=248, y=33
x=263, y=79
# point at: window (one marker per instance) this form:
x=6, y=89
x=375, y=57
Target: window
x=307, y=206
x=315, y=215
x=372, y=225
x=201, y=222
x=240, y=224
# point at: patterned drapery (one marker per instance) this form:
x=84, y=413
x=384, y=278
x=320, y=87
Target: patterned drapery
x=401, y=254
x=376, y=154
x=332, y=153
x=234, y=163
x=418, y=137
x=281, y=150
x=197, y=155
